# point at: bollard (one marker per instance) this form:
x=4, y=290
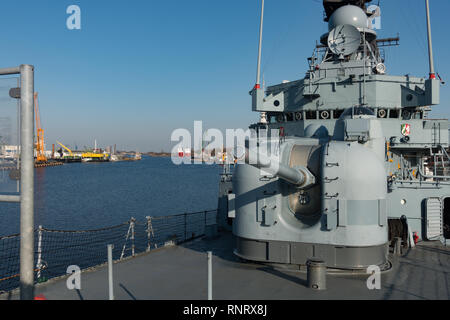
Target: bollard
x=110, y=272
x=317, y=273
x=397, y=246
x=209, y=275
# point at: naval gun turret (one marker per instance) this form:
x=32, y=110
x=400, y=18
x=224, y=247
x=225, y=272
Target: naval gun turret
x=354, y=151
x=309, y=202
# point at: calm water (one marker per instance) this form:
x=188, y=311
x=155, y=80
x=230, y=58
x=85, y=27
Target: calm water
x=93, y=195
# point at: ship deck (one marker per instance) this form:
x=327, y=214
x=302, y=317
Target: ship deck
x=180, y=272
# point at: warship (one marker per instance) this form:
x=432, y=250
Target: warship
x=357, y=164
x=356, y=181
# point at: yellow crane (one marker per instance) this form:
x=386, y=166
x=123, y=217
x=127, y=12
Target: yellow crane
x=40, y=155
x=70, y=151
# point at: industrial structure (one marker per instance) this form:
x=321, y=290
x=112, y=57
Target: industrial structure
x=41, y=160
x=40, y=156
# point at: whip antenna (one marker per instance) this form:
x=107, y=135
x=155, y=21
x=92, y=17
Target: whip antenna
x=430, y=43
x=263, y=118
x=258, y=72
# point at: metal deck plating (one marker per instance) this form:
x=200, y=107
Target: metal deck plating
x=180, y=272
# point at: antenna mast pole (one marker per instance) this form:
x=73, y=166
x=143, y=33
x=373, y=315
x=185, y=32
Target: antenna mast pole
x=263, y=118
x=430, y=43
x=258, y=73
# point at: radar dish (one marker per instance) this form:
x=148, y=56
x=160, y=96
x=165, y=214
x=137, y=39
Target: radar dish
x=344, y=40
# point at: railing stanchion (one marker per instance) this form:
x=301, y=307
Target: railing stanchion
x=110, y=272
x=209, y=275
x=166, y=227
x=132, y=237
x=126, y=239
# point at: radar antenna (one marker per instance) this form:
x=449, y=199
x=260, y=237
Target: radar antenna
x=331, y=6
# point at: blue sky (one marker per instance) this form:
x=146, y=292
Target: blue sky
x=139, y=69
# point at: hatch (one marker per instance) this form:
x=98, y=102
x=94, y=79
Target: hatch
x=434, y=213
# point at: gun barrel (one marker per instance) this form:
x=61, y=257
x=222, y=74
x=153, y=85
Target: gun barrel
x=299, y=176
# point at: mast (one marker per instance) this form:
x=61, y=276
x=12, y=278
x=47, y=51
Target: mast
x=258, y=72
x=430, y=43
x=263, y=117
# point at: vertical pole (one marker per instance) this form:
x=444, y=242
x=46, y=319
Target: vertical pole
x=364, y=75
x=258, y=71
x=209, y=275
x=27, y=180
x=110, y=272
x=18, y=135
x=434, y=165
x=430, y=42
x=263, y=116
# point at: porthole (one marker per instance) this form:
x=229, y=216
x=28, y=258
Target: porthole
x=382, y=113
x=325, y=115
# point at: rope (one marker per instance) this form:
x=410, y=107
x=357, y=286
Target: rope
x=17, y=275
x=85, y=231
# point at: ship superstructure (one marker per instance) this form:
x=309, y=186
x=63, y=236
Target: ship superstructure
x=356, y=153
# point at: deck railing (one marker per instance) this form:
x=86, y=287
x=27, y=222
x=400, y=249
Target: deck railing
x=56, y=250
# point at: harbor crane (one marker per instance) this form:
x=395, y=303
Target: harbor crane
x=40, y=155
x=70, y=151
x=71, y=157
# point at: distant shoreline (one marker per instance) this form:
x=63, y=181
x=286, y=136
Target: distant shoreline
x=158, y=154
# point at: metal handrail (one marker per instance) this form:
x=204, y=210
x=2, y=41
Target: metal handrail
x=431, y=177
x=423, y=175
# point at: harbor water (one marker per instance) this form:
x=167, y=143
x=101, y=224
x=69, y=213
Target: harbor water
x=83, y=196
